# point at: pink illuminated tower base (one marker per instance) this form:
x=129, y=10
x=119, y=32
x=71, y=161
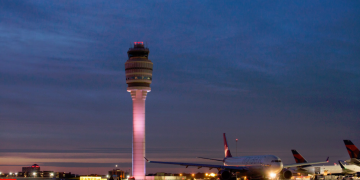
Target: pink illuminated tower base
x=138, y=70
x=138, y=149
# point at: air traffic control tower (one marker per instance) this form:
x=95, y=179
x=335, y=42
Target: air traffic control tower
x=138, y=70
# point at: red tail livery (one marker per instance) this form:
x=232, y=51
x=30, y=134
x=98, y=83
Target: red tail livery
x=298, y=157
x=226, y=147
x=352, y=149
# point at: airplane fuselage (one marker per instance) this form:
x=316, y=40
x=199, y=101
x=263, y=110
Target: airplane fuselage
x=354, y=161
x=264, y=164
x=335, y=169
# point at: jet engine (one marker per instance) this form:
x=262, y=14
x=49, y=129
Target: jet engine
x=287, y=174
x=224, y=175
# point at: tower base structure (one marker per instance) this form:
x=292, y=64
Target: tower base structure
x=138, y=95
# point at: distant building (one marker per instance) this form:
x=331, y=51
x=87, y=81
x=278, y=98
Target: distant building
x=64, y=175
x=165, y=176
x=117, y=174
x=34, y=171
x=91, y=178
x=49, y=174
x=31, y=169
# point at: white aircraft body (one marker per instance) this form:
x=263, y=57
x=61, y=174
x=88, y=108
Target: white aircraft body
x=265, y=165
x=340, y=169
x=252, y=167
x=329, y=170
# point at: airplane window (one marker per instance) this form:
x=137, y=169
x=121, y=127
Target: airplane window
x=276, y=161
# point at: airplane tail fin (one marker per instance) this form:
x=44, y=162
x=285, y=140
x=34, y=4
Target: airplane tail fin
x=341, y=165
x=298, y=157
x=352, y=149
x=227, y=151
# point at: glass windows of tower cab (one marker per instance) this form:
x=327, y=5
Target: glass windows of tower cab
x=138, y=65
x=139, y=78
x=139, y=71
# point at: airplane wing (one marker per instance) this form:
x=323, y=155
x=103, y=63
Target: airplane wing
x=210, y=166
x=304, y=164
x=211, y=159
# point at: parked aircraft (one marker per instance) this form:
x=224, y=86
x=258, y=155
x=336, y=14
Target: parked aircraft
x=349, y=169
x=354, y=153
x=340, y=169
x=304, y=170
x=252, y=167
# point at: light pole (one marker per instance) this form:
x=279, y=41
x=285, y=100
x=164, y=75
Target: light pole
x=236, y=146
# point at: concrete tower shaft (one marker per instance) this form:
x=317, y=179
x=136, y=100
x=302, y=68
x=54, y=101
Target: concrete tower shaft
x=138, y=146
x=138, y=70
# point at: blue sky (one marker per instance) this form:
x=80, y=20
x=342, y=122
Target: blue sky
x=276, y=75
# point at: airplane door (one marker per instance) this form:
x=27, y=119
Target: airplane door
x=317, y=170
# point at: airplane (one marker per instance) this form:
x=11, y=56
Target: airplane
x=340, y=169
x=349, y=169
x=337, y=170
x=250, y=167
x=300, y=159
x=354, y=153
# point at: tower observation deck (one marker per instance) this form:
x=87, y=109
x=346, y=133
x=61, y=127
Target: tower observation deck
x=138, y=70
x=138, y=67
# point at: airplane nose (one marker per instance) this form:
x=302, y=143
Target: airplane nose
x=280, y=166
x=276, y=167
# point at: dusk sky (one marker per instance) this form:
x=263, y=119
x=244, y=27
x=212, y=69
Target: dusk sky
x=276, y=75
